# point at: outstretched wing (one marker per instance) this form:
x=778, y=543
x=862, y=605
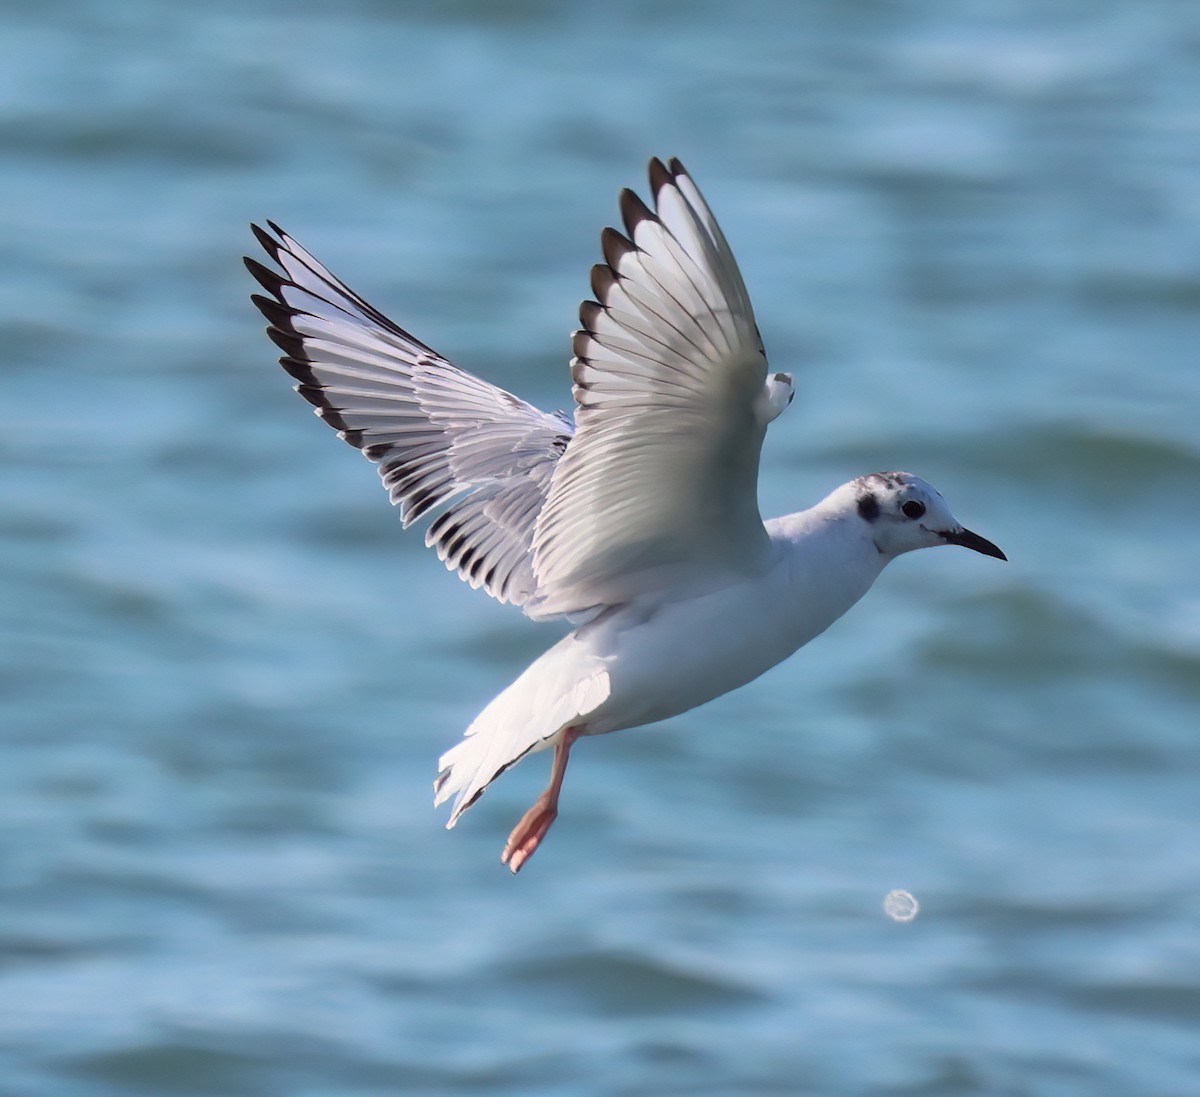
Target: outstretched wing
x=439, y=435
x=660, y=484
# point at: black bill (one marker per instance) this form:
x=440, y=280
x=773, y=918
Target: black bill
x=971, y=540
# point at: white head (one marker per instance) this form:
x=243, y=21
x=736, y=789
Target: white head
x=903, y=512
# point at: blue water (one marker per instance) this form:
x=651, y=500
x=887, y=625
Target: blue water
x=972, y=231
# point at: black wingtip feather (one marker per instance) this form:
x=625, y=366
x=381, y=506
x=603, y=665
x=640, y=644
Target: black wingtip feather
x=289, y=342
x=269, y=243
x=274, y=311
x=603, y=280
x=615, y=247
x=634, y=211
x=314, y=394
x=677, y=168
x=581, y=342
x=328, y=412
x=301, y=371
x=334, y=418
x=659, y=176
x=270, y=280
x=578, y=365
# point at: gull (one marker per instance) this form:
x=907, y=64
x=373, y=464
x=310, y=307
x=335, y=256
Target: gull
x=637, y=521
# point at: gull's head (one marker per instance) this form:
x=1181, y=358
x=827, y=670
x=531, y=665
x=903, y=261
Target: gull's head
x=902, y=512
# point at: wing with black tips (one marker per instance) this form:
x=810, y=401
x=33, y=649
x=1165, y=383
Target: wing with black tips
x=660, y=485
x=442, y=438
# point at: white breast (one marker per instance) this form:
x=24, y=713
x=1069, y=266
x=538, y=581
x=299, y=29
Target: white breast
x=690, y=651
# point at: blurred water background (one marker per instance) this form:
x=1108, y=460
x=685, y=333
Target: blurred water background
x=971, y=229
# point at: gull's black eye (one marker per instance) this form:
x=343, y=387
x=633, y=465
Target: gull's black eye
x=913, y=509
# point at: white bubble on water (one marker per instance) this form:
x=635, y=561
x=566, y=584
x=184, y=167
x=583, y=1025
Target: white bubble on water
x=900, y=906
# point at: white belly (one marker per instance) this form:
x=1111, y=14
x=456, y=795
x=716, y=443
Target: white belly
x=689, y=652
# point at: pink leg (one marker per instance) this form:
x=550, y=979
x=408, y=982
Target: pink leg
x=527, y=835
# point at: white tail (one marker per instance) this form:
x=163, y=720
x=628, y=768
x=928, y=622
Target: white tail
x=556, y=692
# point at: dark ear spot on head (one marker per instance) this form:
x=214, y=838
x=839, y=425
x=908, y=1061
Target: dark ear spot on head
x=868, y=507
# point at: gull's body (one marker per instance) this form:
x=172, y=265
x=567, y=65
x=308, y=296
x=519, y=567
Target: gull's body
x=662, y=656
x=639, y=522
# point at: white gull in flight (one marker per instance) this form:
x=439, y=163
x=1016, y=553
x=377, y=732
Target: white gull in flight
x=638, y=522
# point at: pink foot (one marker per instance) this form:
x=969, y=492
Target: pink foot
x=527, y=835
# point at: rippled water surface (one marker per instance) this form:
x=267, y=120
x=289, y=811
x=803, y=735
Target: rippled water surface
x=971, y=230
